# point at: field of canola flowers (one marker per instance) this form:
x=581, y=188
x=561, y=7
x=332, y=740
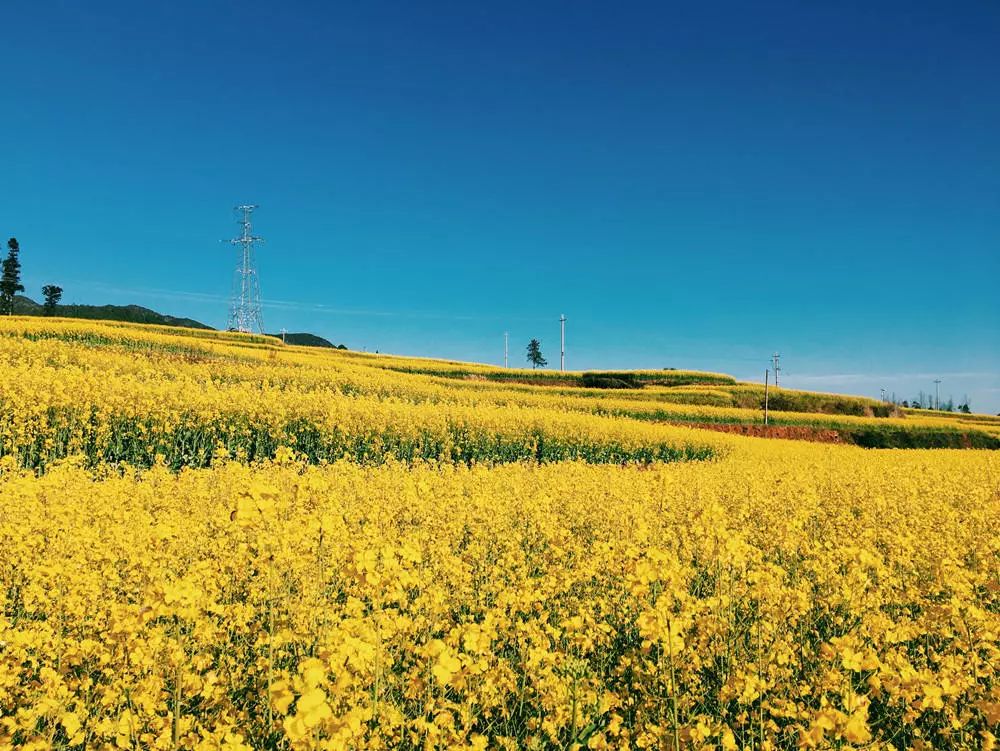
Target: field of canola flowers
x=215, y=542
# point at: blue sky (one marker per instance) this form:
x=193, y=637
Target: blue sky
x=693, y=185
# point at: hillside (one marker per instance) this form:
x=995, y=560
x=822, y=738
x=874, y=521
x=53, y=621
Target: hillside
x=303, y=339
x=458, y=405
x=25, y=306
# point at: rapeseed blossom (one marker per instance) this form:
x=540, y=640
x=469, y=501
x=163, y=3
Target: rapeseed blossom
x=199, y=595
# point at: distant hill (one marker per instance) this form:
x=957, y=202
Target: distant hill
x=25, y=306
x=308, y=340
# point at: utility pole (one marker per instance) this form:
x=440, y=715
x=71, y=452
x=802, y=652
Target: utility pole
x=562, y=342
x=937, y=398
x=505, y=337
x=244, y=311
x=776, y=357
x=766, y=374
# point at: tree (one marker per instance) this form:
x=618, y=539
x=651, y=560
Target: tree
x=10, y=278
x=53, y=295
x=535, y=354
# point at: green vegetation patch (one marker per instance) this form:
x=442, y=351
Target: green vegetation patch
x=194, y=442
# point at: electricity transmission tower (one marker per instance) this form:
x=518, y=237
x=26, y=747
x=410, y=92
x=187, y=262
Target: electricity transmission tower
x=562, y=342
x=937, y=397
x=505, y=349
x=244, y=312
x=776, y=357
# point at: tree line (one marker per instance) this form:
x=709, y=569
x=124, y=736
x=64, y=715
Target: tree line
x=928, y=401
x=10, y=283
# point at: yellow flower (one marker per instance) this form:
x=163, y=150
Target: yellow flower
x=72, y=725
x=856, y=730
x=313, y=672
x=281, y=696
x=932, y=696
x=313, y=708
x=214, y=537
x=598, y=742
x=446, y=666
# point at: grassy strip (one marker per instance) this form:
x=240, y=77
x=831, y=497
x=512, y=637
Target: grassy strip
x=626, y=379
x=751, y=396
x=884, y=437
x=889, y=436
x=868, y=436
x=637, y=379
x=993, y=420
x=538, y=378
x=194, y=442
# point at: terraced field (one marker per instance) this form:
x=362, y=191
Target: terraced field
x=214, y=541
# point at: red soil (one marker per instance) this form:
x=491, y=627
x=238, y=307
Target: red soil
x=790, y=432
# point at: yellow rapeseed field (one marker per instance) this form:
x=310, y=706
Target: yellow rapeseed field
x=215, y=542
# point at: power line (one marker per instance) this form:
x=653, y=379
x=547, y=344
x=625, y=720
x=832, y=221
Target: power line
x=244, y=310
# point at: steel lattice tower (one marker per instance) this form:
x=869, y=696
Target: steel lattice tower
x=244, y=312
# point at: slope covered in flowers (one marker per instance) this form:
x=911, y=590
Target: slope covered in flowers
x=745, y=594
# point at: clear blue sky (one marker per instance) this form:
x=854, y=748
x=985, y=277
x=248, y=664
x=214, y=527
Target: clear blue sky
x=692, y=184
